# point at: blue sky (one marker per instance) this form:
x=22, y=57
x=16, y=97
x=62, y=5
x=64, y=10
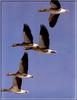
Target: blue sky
x=54, y=75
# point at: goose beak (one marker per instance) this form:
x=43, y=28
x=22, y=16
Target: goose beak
x=10, y=74
x=67, y=10
x=31, y=76
x=7, y=74
x=54, y=52
x=39, y=10
x=13, y=45
x=26, y=91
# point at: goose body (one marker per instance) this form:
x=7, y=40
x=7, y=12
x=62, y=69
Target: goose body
x=59, y=11
x=20, y=75
x=16, y=86
x=44, y=42
x=42, y=46
x=28, y=38
x=55, y=10
x=46, y=51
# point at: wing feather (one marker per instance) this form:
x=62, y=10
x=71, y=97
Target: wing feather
x=55, y=4
x=17, y=82
x=28, y=38
x=53, y=18
x=23, y=68
x=44, y=37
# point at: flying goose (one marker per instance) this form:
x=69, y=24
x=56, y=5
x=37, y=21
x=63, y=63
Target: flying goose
x=43, y=46
x=44, y=42
x=23, y=68
x=16, y=86
x=55, y=10
x=28, y=38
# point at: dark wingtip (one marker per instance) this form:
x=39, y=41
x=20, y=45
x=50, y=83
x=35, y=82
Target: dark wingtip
x=25, y=54
x=43, y=26
x=51, y=25
x=44, y=31
x=53, y=20
x=25, y=26
x=57, y=3
x=25, y=57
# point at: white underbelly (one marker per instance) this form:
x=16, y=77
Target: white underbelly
x=22, y=91
x=58, y=11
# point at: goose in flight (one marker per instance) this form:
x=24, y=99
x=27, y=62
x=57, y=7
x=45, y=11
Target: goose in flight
x=55, y=10
x=43, y=45
x=44, y=42
x=16, y=86
x=23, y=68
x=28, y=38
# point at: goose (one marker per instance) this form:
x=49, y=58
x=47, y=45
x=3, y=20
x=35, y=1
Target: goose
x=28, y=38
x=23, y=68
x=55, y=10
x=43, y=45
x=16, y=86
x=44, y=42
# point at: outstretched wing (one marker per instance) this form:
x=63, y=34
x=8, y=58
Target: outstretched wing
x=17, y=82
x=53, y=18
x=23, y=68
x=55, y=4
x=28, y=38
x=44, y=37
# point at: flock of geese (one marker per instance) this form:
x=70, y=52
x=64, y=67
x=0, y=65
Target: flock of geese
x=43, y=46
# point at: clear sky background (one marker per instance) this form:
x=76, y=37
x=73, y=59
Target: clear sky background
x=54, y=75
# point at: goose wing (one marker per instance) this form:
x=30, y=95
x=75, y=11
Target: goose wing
x=44, y=37
x=55, y=4
x=53, y=18
x=17, y=82
x=23, y=68
x=28, y=38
